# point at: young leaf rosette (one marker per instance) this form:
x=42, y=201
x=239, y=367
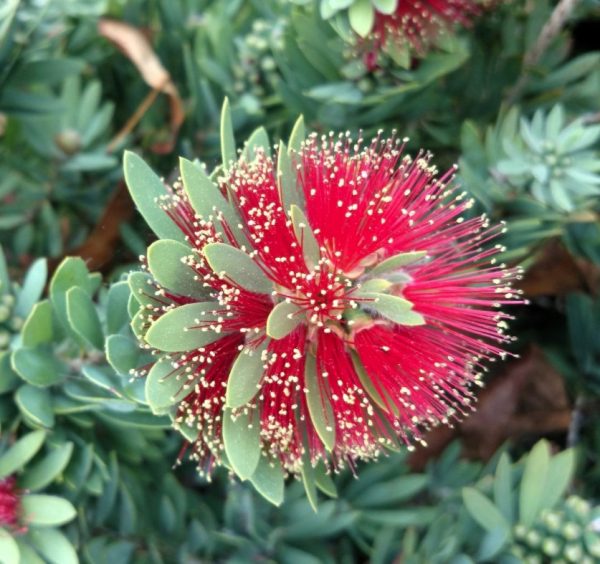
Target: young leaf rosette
x=314, y=307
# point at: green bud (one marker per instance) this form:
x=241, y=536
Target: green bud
x=571, y=531
x=551, y=547
x=16, y=323
x=4, y=339
x=520, y=530
x=4, y=313
x=552, y=520
x=8, y=300
x=533, y=539
x=573, y=552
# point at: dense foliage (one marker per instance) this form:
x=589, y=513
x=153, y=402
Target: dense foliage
x=90, y=469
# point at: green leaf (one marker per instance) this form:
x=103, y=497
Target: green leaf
x=21, y=453
x=116, y=307
x=558, y=477
x=46, y=470
x=305, y=236
x=259, y=139
x=396, y=261
x=483, y=510
x=268, y=480
x=319, y=406
x=164, y=386
x=309, y=483
x=9, y=549
x=362, y=16
x=53, y=546
x=166, y=263
x=70, y=273
x=377, y=285
x=142, y=288
x=38, y=367
x=83, y=317
x=235, y=265
x=32, y=289
x=533, y=483
x=323, y=480
x=245, y=375
x=289, y=193
x=283, y=319
x=47, y=510
x=395, y=308
x=241, y=437
x=184, y=328
x=122, y=353
x=38, y=328
x=492, y=543
x=385, y=6
x=36, y=405
x=504, y=496
x=146, y=189
x=297, y=136
x=208, y=201
x=228, y=152
x=5, y=285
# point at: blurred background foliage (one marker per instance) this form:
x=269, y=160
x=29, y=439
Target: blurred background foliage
x=512, y=99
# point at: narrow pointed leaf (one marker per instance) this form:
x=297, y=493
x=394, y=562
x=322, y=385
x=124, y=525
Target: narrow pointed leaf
x=397, y=261
x=533, y=483
x=146, y=189
x=237, y=266
x=483, y=511
x=289, y=193
x=370, y=387
x=245, y=375
x=259, y=139
x=305, y=236
x=283, y=319
x=208, y=201
x=297, y=136
x=228, y=152
x=184, y=328
x=319, y=406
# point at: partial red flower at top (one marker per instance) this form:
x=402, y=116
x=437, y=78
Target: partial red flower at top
x=320, y=307
x=10, y=505
x=396, y=26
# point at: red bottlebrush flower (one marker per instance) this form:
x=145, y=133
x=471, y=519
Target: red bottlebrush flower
x=331, y=303
x=417, y=24
x=10, y=505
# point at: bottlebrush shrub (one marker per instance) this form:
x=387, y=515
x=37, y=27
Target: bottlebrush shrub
x=315, y=308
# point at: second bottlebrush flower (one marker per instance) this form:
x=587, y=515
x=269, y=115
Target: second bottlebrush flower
x=316, y=307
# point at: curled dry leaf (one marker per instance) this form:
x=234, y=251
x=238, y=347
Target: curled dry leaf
x=136, y=47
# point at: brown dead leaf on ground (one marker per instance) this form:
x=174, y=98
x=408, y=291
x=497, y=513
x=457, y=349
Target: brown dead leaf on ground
x=527, y=397
x=99, y=248
x=556, y=273
x=136, y=47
